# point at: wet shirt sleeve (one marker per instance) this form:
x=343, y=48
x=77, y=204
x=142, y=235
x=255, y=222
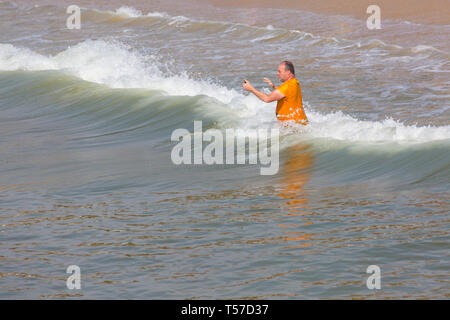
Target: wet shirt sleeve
x=284, y=89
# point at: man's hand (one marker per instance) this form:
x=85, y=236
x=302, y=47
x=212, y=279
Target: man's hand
x=274, y=96
x=269, y=83
x=247, y=86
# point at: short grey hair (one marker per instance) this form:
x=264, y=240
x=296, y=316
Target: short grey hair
x=288, y=65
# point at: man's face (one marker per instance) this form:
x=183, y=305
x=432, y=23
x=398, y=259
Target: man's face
x=282, y=73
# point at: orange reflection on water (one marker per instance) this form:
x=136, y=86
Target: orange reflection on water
x=295, y=173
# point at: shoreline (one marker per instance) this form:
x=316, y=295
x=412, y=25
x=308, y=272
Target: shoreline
x=417, y=11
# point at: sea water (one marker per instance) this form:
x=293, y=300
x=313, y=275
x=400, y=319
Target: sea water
x=86, y=176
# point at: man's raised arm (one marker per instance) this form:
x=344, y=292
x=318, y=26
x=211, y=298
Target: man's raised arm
x=274, y=96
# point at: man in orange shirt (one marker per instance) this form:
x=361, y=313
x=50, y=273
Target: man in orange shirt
x=288, y=95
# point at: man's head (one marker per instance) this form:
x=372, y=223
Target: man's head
x=286, y=71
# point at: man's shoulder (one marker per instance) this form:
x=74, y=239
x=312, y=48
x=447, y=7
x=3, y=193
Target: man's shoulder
x=292, y=81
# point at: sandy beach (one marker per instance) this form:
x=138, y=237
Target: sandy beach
x=429, y=12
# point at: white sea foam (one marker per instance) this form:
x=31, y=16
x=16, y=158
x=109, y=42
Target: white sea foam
x=157, y=14
x=118, y=66
x=128, y=12
x=13, y=58
x=131, y=12
x=421, y=48
x=344, y=127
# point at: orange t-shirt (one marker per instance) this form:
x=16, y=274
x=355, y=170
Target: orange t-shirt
x=291, y=106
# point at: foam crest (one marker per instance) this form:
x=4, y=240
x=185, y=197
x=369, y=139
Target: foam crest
x=422, y=48
x=131, y=12
x=13, y=58
x=128, y=12
x=344, y=127
x=115, y=65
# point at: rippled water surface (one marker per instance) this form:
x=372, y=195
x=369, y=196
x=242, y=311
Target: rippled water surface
x=86, y=176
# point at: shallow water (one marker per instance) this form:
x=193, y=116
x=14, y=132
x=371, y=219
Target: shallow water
x=86, y=118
